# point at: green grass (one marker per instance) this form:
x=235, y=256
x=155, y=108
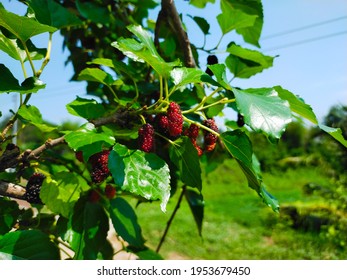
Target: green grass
x=237, y=225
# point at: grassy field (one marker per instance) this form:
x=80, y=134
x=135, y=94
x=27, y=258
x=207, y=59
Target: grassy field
x=237, y=225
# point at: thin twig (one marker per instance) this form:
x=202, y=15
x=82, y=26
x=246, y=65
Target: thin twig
x=171, y=218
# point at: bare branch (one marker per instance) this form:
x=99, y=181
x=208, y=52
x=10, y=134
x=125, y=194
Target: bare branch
x=176, y=25
x=48, y=144
x=12, y=190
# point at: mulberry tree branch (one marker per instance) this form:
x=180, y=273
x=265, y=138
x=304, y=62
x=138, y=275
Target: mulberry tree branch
x=12, y=190
x=169, y=9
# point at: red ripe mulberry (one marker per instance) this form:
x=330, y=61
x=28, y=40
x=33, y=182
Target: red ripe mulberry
x=162, y=123
x=33, y=188
x=192, y=132
x=175, y=119
x=210, y=139
x=110, y=191
x=94, y=196
x=99, y=162
x=146, y=138
x=79, y=156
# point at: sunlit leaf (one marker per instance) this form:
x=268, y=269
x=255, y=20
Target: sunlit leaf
x=31, y=114
x=297, y=105
x=95, y=75
x=234, y=16
x=85, y=108
x=336, y=133
x=87, y=135
x=61, y=194
x=200, y=3
x=22, y=27
x=244, y=63
x=143, y=174
x=263, y=110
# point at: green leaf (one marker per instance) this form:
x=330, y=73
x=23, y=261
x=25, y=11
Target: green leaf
x=239, y=146
x=263, y=110
x=61, y=194
x=200, y=3
x=297, y=105
x=33, y=83
x=252, y=7
x=31, y=114
x=53, y=14
x=234, y=16
x=95, y=75
x=87, y=135
x=143, y=174
x=9, y=213
x=196, y=204
x=125, y=223
x=184, y=155
x=182, y=76
x=14, y=48
x=29, y=245
x=219, y=72
x=95, y=228
x=87, y=230
x=244, y=63
x=22, y=27
x=8, y=83
x=94, y=12
x=144, y=51
x=85, y=108
x=336, y=133
x=202, y=23
x=145, y=38
x=102, y=61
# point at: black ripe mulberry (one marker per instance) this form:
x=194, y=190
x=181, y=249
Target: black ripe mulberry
x=99, y=162
x=146, y=138
x=210, y=138
x=240, y=120
x=211, y=60
x=33, y=187
x=175, y=119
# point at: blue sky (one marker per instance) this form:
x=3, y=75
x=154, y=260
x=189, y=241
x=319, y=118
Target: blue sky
x=315, y=70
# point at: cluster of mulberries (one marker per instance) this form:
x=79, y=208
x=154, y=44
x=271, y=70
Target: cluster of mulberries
x=169, y=124
x=210, y=139
x=99, y=163
x=33, y=187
